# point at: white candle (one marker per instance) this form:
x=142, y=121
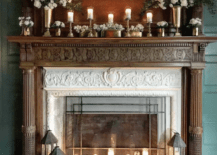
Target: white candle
x=145, y=152
x=110, y=18
x=128, y=13
x=149, y=17
x=89, y=13
x=111, y=152
x=70, y=16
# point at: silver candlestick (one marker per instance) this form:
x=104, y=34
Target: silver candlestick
x=149, y=30
x=90, y=34
x=128, y=28
x=70, y=30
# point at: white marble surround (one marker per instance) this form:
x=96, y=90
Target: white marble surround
x=62, y=82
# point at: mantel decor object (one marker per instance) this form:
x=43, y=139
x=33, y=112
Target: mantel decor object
x=70, y=20
x=49, y=139
x=47, y=21
x=161, y=28
x=178, y=144
x=177, y=10
x=128, y=18
x=57, y=151
x=149, y=21
x=90, y=18
x=195, y=24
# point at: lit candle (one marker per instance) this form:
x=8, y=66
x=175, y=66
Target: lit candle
x=111, y=152
x=110, y=18
x=90, y=13
x=145, y=152
x=128, y=13
x=149, y=17
x=70, y=16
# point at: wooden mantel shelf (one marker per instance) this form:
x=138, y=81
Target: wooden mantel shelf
x=65, y=40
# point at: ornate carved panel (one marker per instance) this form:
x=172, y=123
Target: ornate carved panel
x=112, y=77
x=124, y=54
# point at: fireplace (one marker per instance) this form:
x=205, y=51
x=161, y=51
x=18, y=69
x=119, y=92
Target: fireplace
x=56, y=71
x=93, y=110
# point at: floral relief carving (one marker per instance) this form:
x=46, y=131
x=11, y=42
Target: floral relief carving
x=131, y=54
x=112, y=78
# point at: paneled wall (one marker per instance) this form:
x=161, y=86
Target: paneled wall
x=210, y=89
x=10, y=80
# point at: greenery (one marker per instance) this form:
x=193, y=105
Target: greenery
x=150, y=4
x=74, y=5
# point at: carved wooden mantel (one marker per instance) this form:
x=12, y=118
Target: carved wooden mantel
x=186, y=52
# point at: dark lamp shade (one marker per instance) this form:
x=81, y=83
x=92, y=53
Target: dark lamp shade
x=176, y=141
x=49, y=138
x=57, y=151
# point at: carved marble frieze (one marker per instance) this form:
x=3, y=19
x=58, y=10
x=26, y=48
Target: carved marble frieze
x=113, y=54
x=112, y=77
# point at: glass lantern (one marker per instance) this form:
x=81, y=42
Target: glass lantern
x=178, y=144
x=48, y=141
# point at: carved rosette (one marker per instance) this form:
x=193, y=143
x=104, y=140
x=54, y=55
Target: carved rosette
x=196, y=129
x=28, y=127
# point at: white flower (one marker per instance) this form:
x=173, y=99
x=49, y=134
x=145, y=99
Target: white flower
x=58, y=23
x=63, y=3
x=62, y=24
x=174, y=1
x=31, y=23
x=46, y=7
x=161, y=4
x=195, y=22
x=37, y=4
x=171, y=5
x=28, y=18
x=162, y=24
x=21, y=23
x=184, y=3
x=26, y=22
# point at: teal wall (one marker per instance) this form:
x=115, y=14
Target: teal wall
x=10, y=80
x=11, y=84
x=210, y=89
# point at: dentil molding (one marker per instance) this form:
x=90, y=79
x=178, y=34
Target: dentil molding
x=111, y=77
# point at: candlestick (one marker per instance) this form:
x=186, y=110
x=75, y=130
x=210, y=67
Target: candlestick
x=90, y=34
x=149, y=17
x=128, y=29
x=145, y=152
x=111, y=152
x=128, y=13
x=71, y=17
x=149, y=30
x=70, y=30
x=110, y=18
x=90, y=13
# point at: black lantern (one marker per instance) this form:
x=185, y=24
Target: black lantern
x=57, y=151
x=178, y=144
x=49, y=139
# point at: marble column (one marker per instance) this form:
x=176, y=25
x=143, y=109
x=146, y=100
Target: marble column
x=195, y=128
x=28, y=127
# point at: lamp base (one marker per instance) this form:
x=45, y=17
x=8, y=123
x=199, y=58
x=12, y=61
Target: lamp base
x=149, y=35
x=47, y=33
x=90, y=35
x=177, y=34
x=71, y=35
x=127, y=34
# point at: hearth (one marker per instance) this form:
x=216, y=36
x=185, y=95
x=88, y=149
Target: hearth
x=124, y=125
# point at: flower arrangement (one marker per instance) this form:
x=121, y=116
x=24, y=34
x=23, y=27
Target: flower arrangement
x=47, y=4
x=183, y=3
x=81, y=29
x=58, y=24
x=71, y=5
x=137, y=28
x=162, y=24
x=111, y=26
x=195, y=22
x=149, y=4
x=25, y=22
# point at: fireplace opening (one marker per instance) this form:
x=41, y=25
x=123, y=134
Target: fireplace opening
x=116, y=125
